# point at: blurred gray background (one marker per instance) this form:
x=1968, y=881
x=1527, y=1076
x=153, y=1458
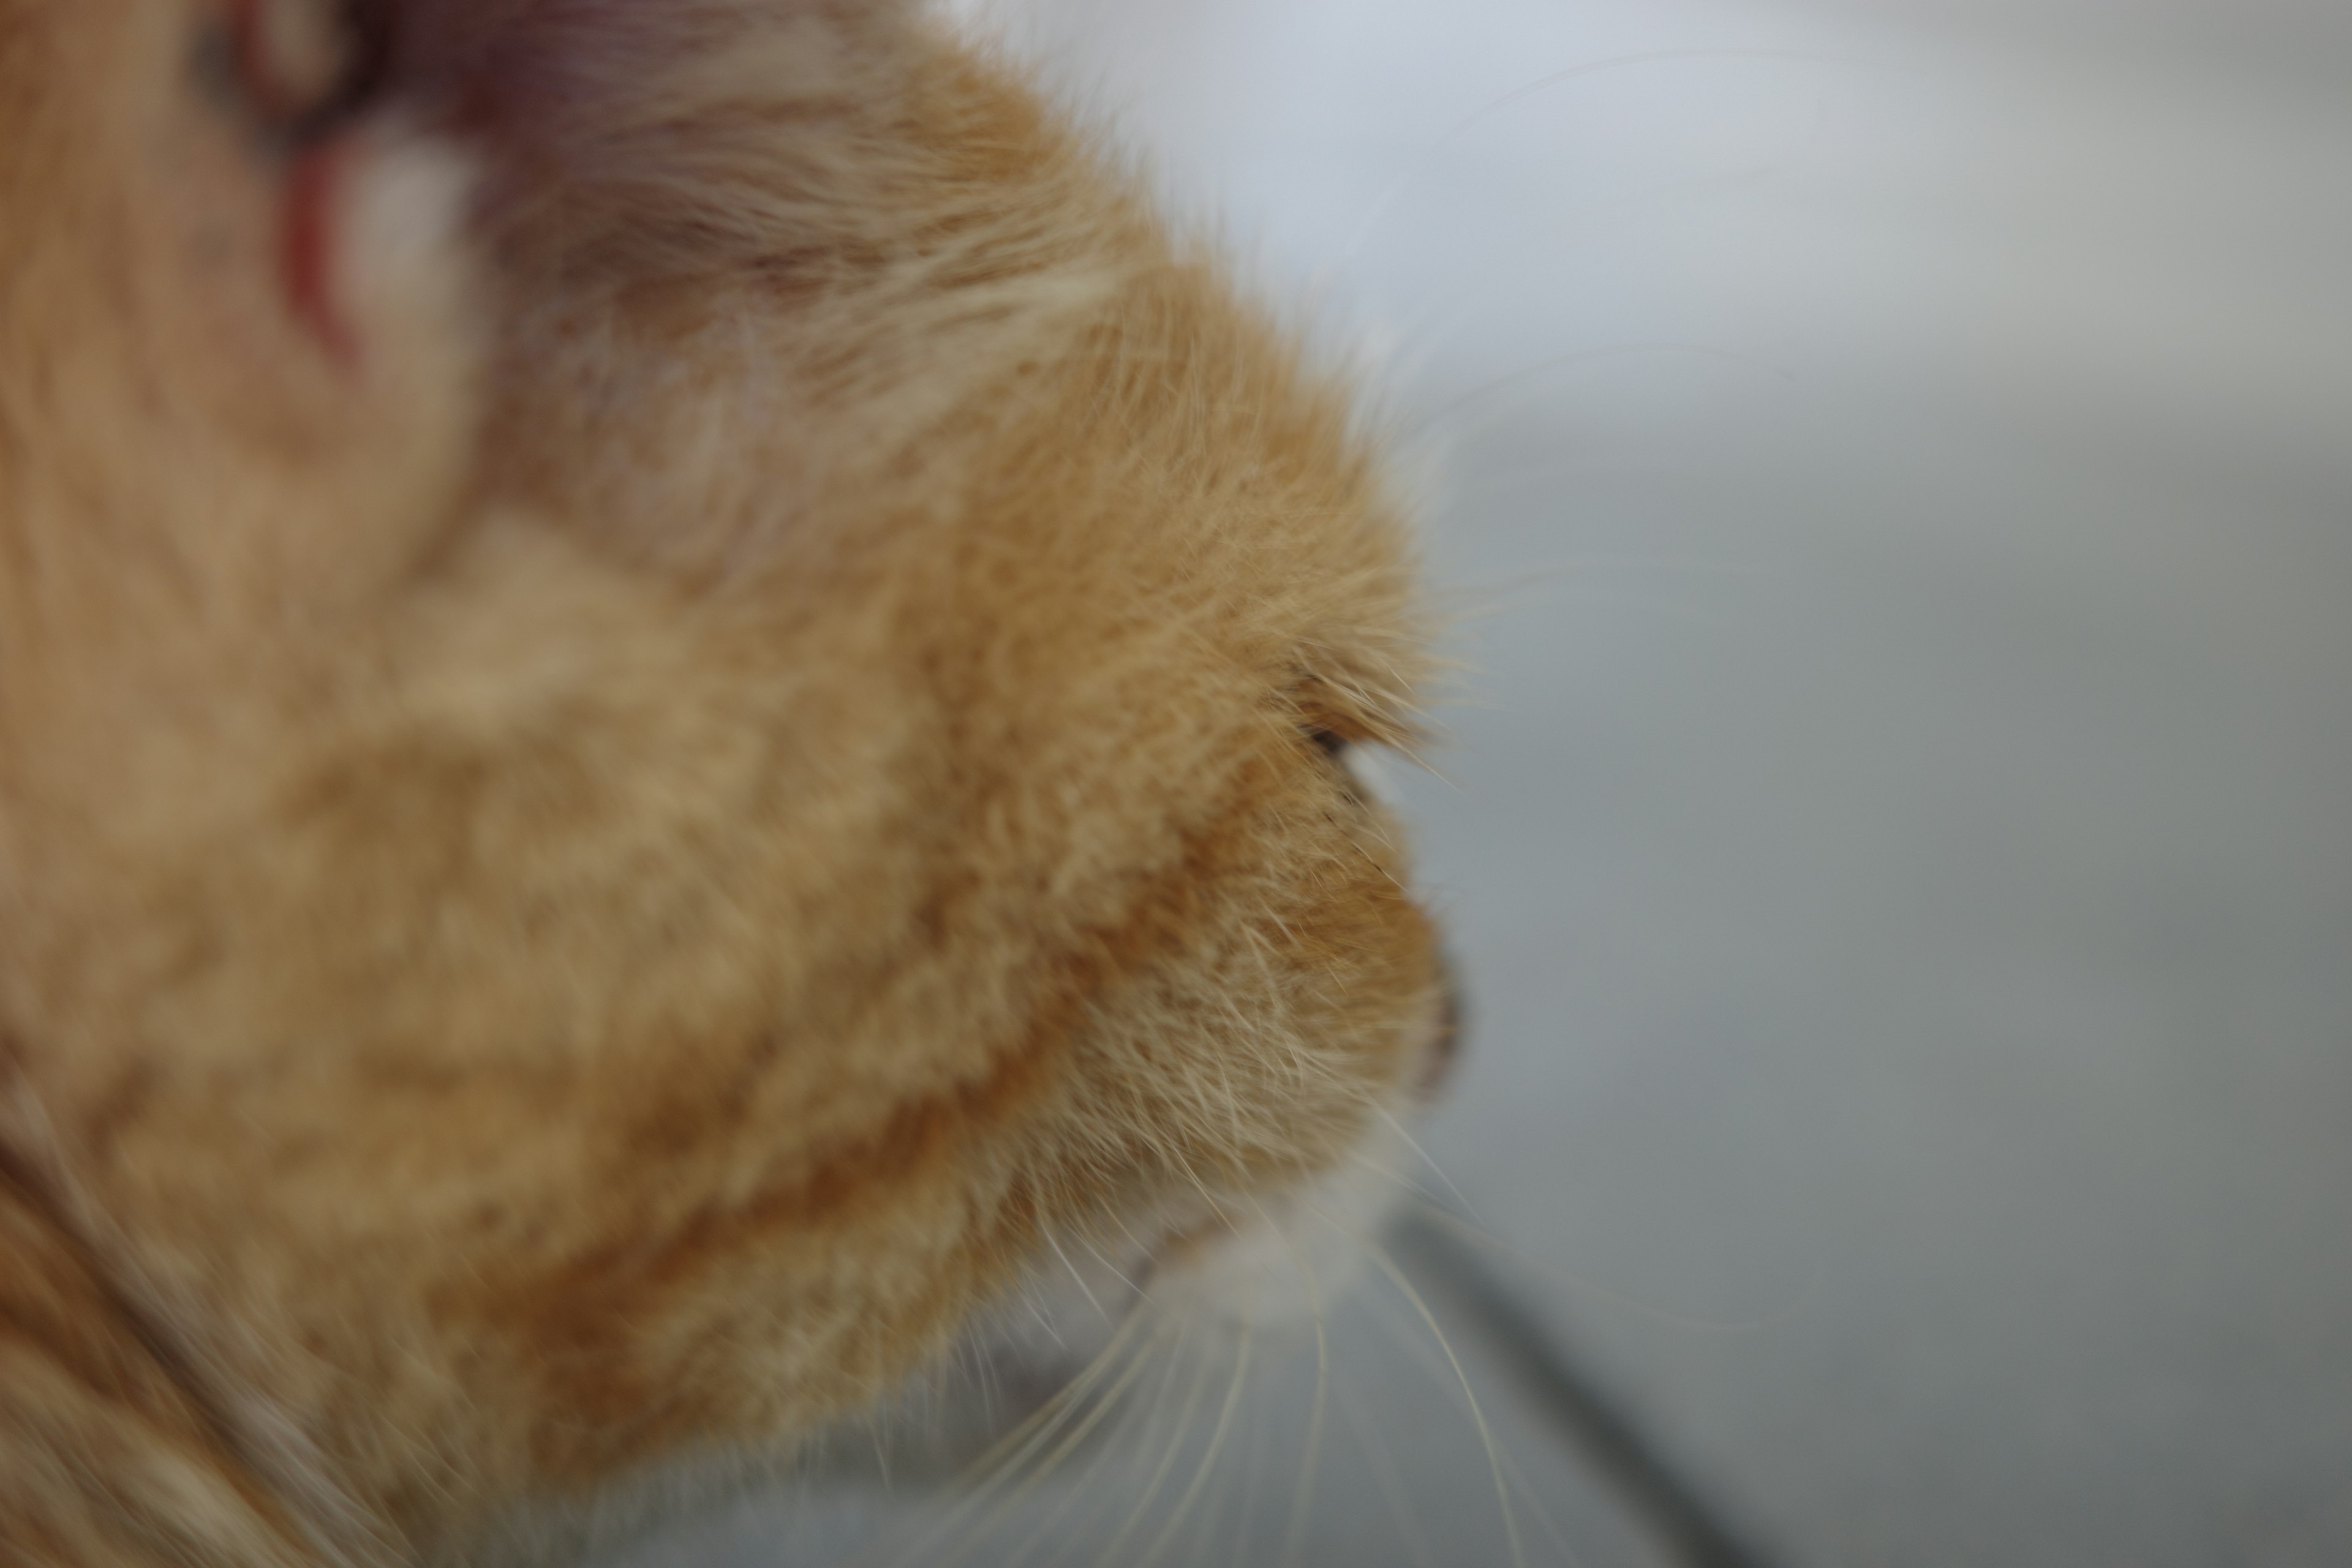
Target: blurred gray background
x=1891, y=467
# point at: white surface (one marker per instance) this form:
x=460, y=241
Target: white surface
x=1895, y=473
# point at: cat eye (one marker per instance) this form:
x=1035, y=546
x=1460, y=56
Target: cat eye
x=1361, y=778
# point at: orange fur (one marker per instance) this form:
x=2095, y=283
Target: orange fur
x=586, y=876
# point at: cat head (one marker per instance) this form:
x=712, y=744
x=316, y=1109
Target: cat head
x=674, y=706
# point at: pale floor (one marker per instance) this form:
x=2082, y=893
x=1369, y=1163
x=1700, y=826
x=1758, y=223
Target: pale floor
x=1893, y=467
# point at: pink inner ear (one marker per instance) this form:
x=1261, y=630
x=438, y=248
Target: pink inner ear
x=314, y=190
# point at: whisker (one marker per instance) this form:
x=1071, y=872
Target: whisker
x=1038, y=1312
x=1003, y=1457
x=1614, y=1445
x=1027, y=1484
x=1391, y=1481
x=1404, y=1332
x=1413, y=1191
x=1208, y=1459
x=1001, y=1462
x=1246, y=1505
x=1117, y=1273
x=1078, y=1279
x=1533, y=1496
x=1060, y=1513
x=1294, y=1543
x=1486, y=1432
x=1294, y=1531
x=1396, y=1125
x=1408, y=1337
x=1159, y=1473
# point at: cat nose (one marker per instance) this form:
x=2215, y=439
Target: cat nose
x=1442, y=1054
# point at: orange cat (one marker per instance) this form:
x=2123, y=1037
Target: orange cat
x=671, y=698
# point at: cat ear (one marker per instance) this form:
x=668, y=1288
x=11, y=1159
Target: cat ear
x=356, y=398
x=373, y=271
x=366, y=246
x=235, y=308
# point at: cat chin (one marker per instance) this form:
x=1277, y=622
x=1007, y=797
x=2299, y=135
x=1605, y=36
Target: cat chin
x=1060, y=1349
x=1292, y=1254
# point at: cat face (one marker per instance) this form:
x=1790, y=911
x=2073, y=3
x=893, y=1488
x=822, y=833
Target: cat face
x=672, y=706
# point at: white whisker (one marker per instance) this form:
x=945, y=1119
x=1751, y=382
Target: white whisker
x=1161, y=1472
x=1397, y=1126
x=1486, y=1432
x=1078, y=1279
x=1209, y=1458
x=1294, y=1546
x=1391, y=1481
